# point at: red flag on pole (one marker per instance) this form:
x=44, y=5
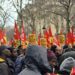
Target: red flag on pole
x=39, y=39
x=4, y=39
x=69, y=38
x=16, y=32
x=73, y=35
x=1, y=34
x=46, y=35
x=51, y=39
x=23, y=35
x=56, y=41
x=10, y=43
x=50, y=32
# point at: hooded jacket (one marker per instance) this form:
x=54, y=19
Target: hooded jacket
x=36, y=61
x=4, y=70
x=67, y=65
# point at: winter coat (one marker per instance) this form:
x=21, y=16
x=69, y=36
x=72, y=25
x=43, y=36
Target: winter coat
x=4, y=70
x=19, y=64
x=36, y=61
x=11, y=66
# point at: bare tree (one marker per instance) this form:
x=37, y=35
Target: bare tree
x=4, y=13
x=61, y=8
x=67, y=5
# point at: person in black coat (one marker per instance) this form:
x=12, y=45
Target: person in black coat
x=4, y=69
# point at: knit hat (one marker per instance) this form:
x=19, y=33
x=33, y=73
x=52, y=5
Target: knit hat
x=51, y=55
x=67, y=64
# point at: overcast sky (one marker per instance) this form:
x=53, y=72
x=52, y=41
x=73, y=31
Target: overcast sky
x=12, y=12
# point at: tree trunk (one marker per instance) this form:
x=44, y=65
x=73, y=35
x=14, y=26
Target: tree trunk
x=68, y=21
x=21, y=18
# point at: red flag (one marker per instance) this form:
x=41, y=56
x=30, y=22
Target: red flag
x=39, y=38
x=69, y=38
x=51, y=39
x=23, y=35
x=50, y=32
x=46, y=35
x=10, y=43
x=56, y=41
x=16, y=32
x=73, y=35
x=3, y=37
x=1, y=34
x=72, y=71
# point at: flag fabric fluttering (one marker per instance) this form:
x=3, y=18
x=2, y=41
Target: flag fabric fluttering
x=39, y=39
x=46, y=35
x=51, y=38
x=1, y=34
x=72, y=71
x=73, y=35
x=16, y=35
x=10, y=43
x=23, y=35
x=16, y=32
x=69, y=38
x=56, y=41
x=3, y=37
x=50, y=32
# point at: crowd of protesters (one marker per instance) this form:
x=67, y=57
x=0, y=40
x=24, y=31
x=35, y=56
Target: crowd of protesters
x=37, y=60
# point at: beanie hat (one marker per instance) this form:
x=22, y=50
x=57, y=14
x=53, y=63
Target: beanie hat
x=67, y=64
x=51, y=55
